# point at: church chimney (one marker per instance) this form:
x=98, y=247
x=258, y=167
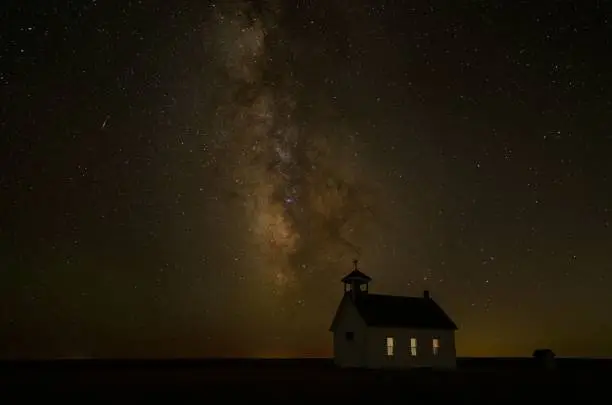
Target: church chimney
x=426, y=294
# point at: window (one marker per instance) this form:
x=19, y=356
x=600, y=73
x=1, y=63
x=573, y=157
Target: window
x=390, y=344
x=436, y=346
x=413, y=346
x=349, y=336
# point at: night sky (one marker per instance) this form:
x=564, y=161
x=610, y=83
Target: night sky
x=188, y=178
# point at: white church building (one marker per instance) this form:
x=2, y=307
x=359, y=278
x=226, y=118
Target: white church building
x=386, y=331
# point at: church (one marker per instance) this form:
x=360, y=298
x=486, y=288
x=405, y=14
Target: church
x=386, y=331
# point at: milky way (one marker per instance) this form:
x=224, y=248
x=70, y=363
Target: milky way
x=193, y=178
x=307, y=200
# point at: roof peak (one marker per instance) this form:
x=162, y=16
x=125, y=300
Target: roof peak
x=356, y=275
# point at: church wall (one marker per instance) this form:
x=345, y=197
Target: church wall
x=376, y=349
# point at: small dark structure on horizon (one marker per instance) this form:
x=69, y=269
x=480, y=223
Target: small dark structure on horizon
x=545, y=358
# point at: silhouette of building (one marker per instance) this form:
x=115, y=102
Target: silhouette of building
x=544, y=358
x=385, y=331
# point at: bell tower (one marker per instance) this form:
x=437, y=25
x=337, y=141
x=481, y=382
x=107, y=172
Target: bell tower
x=356, y=282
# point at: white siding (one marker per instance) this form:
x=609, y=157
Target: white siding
x=368, y=348
x=350, y=353
x=376, y=356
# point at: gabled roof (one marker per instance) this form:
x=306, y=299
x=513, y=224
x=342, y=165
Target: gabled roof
x=356, y=275
x=340, y=311
x=402, y=312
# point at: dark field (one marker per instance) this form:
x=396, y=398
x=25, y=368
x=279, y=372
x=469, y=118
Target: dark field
x=289, y=381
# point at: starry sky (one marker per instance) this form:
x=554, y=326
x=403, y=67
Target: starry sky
x=193, y=178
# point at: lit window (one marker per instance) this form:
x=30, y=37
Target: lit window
x=413, y=346
x=436, y=346
x=390, y=343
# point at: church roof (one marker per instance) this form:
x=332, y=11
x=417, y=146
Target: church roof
x=402, y=312
x=356, y=275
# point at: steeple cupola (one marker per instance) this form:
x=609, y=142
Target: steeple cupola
x=356, y=282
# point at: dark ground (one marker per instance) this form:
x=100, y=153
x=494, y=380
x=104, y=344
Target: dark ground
x=475, y=381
